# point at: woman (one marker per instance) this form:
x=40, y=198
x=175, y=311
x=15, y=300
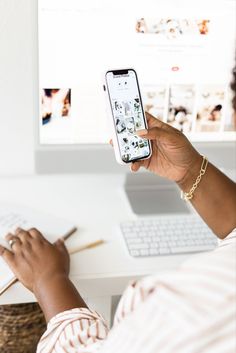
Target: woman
x=192, y=309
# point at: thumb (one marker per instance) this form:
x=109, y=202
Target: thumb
x=153, y=133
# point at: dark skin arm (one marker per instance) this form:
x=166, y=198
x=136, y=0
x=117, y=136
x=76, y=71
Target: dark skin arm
x=176, y=159
x=214, y=200
x=43, y=268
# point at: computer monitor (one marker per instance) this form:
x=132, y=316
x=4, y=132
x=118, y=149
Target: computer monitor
x=183, y=52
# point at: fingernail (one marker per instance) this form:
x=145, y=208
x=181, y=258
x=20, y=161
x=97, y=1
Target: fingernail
x=141, y=132
x=131, y=167
x=8, y=235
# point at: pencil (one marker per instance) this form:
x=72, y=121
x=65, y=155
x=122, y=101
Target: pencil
x=86, y=246
x=72, y=251
x=8, y=285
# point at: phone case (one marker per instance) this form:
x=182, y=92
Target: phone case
x=111, y=122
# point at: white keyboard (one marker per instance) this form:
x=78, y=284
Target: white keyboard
x=166, y=235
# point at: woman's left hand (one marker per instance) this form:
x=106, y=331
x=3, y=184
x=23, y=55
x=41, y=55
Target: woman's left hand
x=33, y=259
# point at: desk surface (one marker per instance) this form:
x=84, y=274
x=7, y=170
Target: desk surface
x=96, y=204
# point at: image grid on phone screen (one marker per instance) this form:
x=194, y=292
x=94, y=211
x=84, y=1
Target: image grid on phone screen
x=128, y=115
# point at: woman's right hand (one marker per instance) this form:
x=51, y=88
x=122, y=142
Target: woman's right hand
x=43, y=268
x=173, y=156
x=34, y=260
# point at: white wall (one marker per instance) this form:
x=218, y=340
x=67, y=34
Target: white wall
x=18, y=85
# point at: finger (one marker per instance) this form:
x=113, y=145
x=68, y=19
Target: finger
x=153, y=133
x=135, y=166
x=23, y=235
x=152, y=121
x=16, y=246
x=142, y=132
x=18, y=230
x=60, y=244
x=35, y=233
x=7, y=256
x=11, y=236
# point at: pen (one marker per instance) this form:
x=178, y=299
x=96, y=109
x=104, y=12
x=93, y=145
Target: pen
x=68, y=234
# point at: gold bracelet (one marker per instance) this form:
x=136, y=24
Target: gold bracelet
x=189, y=195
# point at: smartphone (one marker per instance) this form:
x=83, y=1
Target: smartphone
x=127, y=115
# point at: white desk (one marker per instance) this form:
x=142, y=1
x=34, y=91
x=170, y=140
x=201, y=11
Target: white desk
x=96, y=204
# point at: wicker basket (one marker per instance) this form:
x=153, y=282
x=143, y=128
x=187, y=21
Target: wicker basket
x=21, y=326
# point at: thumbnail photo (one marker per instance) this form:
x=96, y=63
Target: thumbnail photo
x=55, y=104
x=119, y=108
x=181, y=107
x=172, y=28
x=130, y=125
x=203, y=26
x=120, y=125
x=210, y=106
x=133, y=147
x=154, y=100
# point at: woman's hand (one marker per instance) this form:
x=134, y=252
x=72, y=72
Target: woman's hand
x=173, y=156
x=43, y=268
x=33, y=259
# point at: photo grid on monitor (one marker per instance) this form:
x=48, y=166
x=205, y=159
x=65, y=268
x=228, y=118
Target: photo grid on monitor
x=183, y=59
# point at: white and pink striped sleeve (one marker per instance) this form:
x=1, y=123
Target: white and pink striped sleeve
x=135, y=294
x=77, y=330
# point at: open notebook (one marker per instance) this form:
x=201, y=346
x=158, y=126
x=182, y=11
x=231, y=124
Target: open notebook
x=12, y=217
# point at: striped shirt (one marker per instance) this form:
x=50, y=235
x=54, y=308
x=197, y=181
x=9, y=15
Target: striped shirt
x=190, y=310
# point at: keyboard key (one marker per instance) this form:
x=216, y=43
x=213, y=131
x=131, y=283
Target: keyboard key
x=154, y=251
x=189, y=249
x=134, y=253
x=138, y=246
x=164, y=251
x=144, y=252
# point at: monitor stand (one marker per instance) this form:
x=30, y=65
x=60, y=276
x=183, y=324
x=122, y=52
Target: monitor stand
x=149, y=194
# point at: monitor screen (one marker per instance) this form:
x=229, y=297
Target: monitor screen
x=183, y=52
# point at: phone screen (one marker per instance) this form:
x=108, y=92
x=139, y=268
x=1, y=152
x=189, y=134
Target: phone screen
x=128, y=115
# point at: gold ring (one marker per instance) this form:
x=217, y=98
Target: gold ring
x=12, y=242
